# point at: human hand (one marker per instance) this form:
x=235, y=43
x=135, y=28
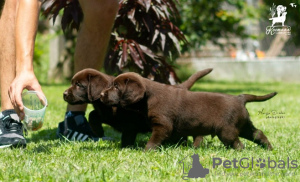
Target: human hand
x=24, y=80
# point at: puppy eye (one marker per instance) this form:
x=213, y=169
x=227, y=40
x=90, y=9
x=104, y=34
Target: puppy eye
x=79, y=85
x=116, y=86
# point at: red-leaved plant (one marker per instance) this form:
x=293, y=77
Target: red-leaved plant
x=142, y=38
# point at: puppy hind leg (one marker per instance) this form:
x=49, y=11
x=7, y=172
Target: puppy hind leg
x=261, y=139
x=229, y=138
x=198, y=140
x=249, y=132
x=233, y=143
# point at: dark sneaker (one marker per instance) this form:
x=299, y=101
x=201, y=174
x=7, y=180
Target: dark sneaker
x=11, y=133
x=76, y=128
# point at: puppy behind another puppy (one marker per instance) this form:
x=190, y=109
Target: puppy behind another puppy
x=177, y=112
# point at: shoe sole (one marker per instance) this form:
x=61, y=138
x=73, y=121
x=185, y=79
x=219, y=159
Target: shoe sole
x=15, y=144
x=76, y=136
x=19, y=145
x=72, y=135
x=5, y=146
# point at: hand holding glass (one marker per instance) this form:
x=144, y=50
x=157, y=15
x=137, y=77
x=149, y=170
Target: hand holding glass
x=34, y=109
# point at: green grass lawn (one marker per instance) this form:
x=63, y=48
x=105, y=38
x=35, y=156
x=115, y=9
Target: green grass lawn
x=48, y=159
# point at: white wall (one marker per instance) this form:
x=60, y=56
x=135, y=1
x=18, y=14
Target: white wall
x=272, y=69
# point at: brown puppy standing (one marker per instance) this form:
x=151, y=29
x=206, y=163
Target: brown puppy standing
x=86, y=88
x=178, y=112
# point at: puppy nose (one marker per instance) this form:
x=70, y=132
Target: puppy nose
x=65, y=93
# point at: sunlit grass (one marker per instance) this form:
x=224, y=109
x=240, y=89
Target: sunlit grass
x=48, y=159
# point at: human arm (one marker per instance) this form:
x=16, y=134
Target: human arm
x=25, y=33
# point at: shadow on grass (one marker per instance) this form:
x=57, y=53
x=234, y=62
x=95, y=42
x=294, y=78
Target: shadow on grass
x=45, y=148
x=44, y=135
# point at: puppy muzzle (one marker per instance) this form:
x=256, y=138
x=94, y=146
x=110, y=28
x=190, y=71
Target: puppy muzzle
x=108, y=98
x=65, y=95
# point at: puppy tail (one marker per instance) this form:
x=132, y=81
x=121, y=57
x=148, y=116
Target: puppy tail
x=192, y=79
x=255, y=98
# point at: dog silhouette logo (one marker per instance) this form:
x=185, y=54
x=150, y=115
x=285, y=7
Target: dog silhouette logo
x=278, y=18
x=195, y=169
x=281, y=14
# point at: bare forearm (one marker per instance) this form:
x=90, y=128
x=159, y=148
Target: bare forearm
x=26, y=27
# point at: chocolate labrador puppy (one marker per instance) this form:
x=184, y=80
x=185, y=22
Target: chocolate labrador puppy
x=177, y=112
x=86, y=88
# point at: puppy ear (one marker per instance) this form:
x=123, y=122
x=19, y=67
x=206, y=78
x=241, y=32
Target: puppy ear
x=90, y=89
x=134, y=91
x=96, y=83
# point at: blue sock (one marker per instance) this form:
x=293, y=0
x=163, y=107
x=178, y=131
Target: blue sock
x=79, y=116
